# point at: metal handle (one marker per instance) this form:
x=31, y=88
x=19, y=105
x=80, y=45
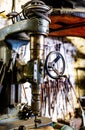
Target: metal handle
x=55, y=64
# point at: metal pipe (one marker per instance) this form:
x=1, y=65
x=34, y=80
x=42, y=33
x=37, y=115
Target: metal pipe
x=37, y=52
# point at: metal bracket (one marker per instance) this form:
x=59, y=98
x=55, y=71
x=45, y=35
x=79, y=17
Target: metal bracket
x=32, y=26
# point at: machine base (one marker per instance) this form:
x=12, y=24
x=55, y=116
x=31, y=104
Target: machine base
x=28, y=124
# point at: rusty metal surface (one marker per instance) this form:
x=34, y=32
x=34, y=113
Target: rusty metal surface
x=67, y=25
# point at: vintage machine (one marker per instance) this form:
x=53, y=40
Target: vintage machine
x=33, y=26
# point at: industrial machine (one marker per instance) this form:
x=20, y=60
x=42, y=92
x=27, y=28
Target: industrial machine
x=33, y=26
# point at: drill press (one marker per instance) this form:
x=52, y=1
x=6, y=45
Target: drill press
x=36, y=25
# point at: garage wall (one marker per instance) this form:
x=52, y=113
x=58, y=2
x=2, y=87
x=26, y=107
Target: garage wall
x=6, y=5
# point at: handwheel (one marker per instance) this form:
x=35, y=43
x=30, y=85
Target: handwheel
x=55, y=64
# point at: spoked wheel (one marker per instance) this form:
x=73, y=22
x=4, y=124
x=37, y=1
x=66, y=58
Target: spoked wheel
x=55, y=64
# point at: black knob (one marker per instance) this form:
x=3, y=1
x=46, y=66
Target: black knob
x=22, y=127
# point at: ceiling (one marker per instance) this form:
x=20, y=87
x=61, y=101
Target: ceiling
x=67, y=18
x=65, y=3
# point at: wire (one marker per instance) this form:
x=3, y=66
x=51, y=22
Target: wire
x=13, y=5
